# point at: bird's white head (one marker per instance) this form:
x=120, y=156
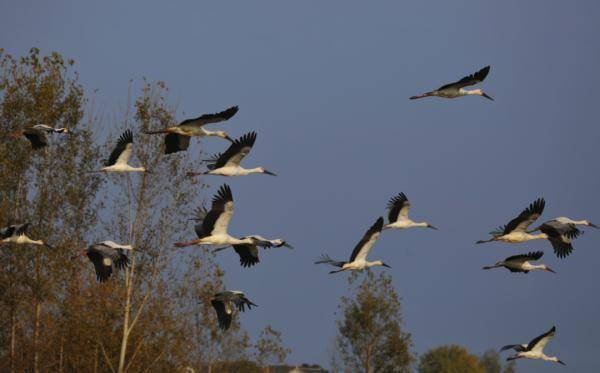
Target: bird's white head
x=223, y=134
x=380, y=263
x=266, y=172
x=482, y=94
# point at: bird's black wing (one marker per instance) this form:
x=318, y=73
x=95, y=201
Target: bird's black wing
x=20, y=229
x=518, y=348
x=211, y=118
x=242, y=302
x=248, y=254
x=122, y=260
x=222, y=315
x=534, y=255
x=375, y=229
x=326, y=259
x=560, y=236
x=468, y=80
x=103, y=272
x=398, y=205
x=37, y=138
x=235, y=153
x=526, y=217
x=536, y=340
x=175, y=142
x=125, y=139
x=219, y=205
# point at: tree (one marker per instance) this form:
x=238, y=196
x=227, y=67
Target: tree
x=449, y=359
x=490, y=361
x=370, y=336
x=269, y=348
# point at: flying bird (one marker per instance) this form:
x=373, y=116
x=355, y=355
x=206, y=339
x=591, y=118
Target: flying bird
x=565, y=220
x=37, y=134
x=398, y=209
x=516, y=230
x=358, y=259
x=228, y=163
x=560, y=236
x=117, y=162
x=248, y=253
x=520, y=263
x=535, y=348
x=106, y=256
x=226, y=302
x=178, y=137
x=211, y=229
x=17, y=234
x=456, y=89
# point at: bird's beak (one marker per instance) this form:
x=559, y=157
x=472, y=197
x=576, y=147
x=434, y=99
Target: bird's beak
x=270, y=173
x=561, y=362
x=486, y=96
x=593, y=225
x=431, y=226
x=285, y=244
x=385, y=265
x=228, y=138
x=550, y=270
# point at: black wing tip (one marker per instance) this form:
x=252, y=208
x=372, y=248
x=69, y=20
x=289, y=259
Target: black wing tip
x=398, y=199
x=126, y=137
x=224, y=193
x=246, y=139
x=230, y=112
x=378, y=226
x=536, y=254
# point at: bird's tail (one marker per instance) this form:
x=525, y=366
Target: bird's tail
x=422, y=96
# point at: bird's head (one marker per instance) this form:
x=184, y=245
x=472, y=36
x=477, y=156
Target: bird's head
x=546, y=268
x=379, y=262
x=267, y=172
x=224, y=135
x=590, y=224
x=431, y=226
x=483, y=94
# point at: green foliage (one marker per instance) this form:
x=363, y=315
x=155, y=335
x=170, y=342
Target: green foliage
x=370, y=336
x=449, y=359
x=490, y=361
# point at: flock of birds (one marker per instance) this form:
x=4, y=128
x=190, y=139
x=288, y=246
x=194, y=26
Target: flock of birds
x=211, y=226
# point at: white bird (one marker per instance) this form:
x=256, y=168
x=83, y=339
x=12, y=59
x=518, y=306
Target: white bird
x=37, y=134
x=516, y=230
x=17, y=234
x=228, y=163
x=565, y=220
x=226, y=302
x=560, y=236
x=106, y=256
x=454, y=90
x=358, y=259
x=398, y=209
x=248, y=253
x=178, y=137
x=535, y=348
x=213, y=228
x=520, y=263
x=117, y=162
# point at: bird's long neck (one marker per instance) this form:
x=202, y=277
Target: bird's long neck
x=471, y=92
x=420, y=224
x=256, y=170
x=374, y=263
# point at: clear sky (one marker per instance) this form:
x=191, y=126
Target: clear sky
x=326, y=85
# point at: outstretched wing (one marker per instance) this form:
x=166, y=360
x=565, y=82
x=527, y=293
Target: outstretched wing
x=526, y=217
x=219, y=216
x=37, y=138
x=175, y=142
x=363, y=247
x=535, y=255
x=235, y=153
x=468, y=80
x=538, y=343
x=398, y=208
x=325, y=259
x=223, y=316
x=211, y=118
x=518, y=348
x=122, y=151
x=248, y=254
x=560, y=236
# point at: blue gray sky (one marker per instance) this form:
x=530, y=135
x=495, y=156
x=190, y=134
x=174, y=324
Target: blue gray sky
x=326, y=86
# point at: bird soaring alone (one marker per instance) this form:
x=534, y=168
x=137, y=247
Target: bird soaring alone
x=456, y=89
x=178, y=137
x=534, y=349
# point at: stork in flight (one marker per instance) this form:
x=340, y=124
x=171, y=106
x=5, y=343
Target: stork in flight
x=17, y=234
x=248, y=253
x=226, y=302
x=212, y=229
x=456, y=89
x=535, y=348
x=516, y=230
x=106, y=256
x=178, y=137
x=398, y=209
x=228, y=163
x=358, y=259
x=560, y=236
x=37, y=134
x=117, y=162
x=520, y=263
